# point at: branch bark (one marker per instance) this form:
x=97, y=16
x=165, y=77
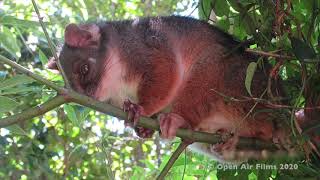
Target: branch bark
x=68, y=95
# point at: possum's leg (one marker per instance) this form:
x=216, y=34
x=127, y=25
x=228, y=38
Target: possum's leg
x=157, y=89
x=193, y=102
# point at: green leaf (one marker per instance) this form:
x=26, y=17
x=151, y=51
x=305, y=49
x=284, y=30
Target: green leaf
x=7, y=104
x=301, y=49
x=148, y=164
x=15, y=129
x=19, y=90
x=235, y=5
x=224, y=24
x=249, y=76
x=9, y=42
x=84, y=112
x=14, y=81
x=71, y=114
x=43, y=58
x=138, y=173
x=221, y=7
x=11, y=20
x=204, y=9
x=252, y=176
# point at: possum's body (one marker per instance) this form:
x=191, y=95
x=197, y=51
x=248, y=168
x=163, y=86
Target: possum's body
x=163, y=63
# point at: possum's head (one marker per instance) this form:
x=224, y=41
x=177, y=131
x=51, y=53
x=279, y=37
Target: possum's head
x=81, y=57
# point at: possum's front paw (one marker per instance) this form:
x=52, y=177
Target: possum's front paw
x=134, y=112
x=229, y=142
x=169, y=123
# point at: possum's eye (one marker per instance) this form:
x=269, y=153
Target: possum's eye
x=84, y=69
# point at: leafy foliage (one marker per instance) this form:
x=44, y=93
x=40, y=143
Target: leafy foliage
x=74, y=142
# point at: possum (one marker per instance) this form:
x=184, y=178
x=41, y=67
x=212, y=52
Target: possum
x=172, y=67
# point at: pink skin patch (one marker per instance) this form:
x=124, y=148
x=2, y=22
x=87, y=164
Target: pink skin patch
x=82, y=36
x=169, y=123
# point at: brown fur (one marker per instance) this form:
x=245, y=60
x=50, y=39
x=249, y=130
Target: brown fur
x=175, y=62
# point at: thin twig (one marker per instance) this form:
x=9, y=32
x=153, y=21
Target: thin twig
x=268, y=54
x=262, y=101
x=182, y=146
x=52, y=47
x=238, y=47
x=253, y=107
x=33, y=112
x=197, y=6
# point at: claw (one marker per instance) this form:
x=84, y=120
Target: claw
x=134, y=111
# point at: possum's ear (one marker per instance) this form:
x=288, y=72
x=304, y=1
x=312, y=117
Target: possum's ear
x=82, y=36
x=52, y=64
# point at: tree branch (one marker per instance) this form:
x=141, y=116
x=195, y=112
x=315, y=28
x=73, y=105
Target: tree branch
x=68, y=95
x=31, y=74
x=33, y=112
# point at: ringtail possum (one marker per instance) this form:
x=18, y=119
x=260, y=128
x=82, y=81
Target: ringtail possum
x=173, y=67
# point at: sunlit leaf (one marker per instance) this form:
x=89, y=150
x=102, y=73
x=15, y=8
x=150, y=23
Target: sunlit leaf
x=204, y=8
x=15, y=80
x=71, y=113
x=7, y=104
x=19, y=90
x=224, y=24
x=9, y=42
x=43, y=58
x=11, y=20
x=249, y=76
x=75, y=131
x=83, y=114
x=221, y=7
